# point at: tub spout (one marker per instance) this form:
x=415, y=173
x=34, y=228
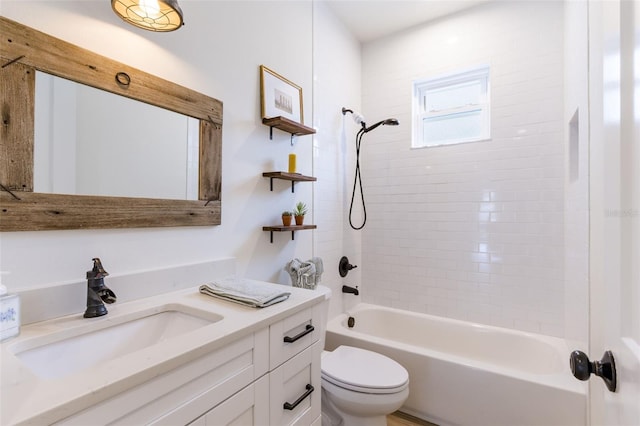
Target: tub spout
x=351, y=290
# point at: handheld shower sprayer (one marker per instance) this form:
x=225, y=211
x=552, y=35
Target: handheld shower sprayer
x=388, y=122
x=359, y=119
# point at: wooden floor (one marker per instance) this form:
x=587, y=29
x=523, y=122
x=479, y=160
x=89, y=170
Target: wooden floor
x=401, y=419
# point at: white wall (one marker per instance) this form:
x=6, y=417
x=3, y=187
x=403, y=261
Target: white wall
x=471, y=231
x=218, y=53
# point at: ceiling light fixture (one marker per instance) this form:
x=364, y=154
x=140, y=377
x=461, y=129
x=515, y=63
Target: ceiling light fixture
x=152, y=15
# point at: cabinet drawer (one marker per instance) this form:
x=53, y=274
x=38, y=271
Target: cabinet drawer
x=250, y=406
x=295, y=389
x=294, y=334
x=181, y=395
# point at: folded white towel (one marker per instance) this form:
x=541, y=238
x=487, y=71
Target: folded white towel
x=255, y=294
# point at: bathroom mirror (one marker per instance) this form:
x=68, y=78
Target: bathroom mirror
x=92, y=142
x=23, y=52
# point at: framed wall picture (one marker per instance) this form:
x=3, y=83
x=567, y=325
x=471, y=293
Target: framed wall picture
x=279, y=96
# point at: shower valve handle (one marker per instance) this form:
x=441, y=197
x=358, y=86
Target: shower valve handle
x=344, y=266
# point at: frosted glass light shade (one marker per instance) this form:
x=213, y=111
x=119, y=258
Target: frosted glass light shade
x=152, y=15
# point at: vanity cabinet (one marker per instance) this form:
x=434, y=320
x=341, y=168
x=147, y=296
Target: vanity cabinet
x=271, y=376
x=184, y=393
x=290, y=393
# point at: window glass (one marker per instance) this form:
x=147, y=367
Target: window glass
x=452, y=109
x=452, y=128
x=446, y=97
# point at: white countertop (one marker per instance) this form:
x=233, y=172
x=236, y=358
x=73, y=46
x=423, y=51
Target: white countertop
x=28, y=399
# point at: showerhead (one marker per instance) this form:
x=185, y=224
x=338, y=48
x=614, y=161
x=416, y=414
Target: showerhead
x=387, y=122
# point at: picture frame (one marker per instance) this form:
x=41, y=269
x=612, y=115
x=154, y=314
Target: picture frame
x=279, y=96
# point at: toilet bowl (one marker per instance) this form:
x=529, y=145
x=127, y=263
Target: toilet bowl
x=360, y=387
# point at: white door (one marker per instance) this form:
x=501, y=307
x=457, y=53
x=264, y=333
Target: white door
x=614, y=43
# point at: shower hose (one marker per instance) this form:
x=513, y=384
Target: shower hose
x=358, y=181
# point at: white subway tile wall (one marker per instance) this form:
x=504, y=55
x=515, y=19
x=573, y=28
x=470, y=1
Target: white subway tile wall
x=334, y=87
x=471, y=231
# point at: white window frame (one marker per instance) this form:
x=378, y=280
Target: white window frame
x=421, y=89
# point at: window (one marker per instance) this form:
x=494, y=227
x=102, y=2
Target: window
x=452, y=109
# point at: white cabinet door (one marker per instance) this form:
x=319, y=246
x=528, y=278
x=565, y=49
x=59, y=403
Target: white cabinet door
x=293, y=334
x=295, y=389
x=248, y=407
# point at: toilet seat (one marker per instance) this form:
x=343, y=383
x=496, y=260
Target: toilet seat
x=363, y=371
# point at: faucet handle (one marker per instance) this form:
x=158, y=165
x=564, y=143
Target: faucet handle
x=98, y=270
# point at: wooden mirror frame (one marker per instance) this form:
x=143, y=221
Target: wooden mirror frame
x=24, y=50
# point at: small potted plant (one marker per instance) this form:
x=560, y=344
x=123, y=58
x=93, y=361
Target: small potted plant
x=286, y=218
x=299, y=212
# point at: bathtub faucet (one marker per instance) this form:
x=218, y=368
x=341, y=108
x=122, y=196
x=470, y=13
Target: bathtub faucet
x=97, y=292
x=351, y=290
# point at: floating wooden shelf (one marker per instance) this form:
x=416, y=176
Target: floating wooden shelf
x=293, y=177
x=286, y=125
x=292, y=228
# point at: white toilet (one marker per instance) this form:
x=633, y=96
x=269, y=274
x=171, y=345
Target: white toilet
x=360, y=387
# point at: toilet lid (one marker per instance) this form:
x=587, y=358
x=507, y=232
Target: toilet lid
x=362, y=370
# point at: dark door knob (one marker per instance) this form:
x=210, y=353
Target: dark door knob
x=582, y=368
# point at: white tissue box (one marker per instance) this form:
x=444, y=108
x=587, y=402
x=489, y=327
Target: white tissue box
x=9, y=316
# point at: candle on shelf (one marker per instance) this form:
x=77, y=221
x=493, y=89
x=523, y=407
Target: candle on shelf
x=292, y=163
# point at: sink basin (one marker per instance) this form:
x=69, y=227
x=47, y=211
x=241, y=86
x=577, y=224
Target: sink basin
x=58, y=355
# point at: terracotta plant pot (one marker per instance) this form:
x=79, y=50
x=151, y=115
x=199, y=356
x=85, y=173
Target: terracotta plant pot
x=299, y=220
x=286, y=220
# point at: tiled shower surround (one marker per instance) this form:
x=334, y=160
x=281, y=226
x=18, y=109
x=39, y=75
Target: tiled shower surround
x=471, y=231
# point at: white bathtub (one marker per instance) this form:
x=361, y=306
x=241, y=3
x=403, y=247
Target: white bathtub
x=462, y=373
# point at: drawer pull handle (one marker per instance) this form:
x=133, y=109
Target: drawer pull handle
x=308, y=329
x=289, y=406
